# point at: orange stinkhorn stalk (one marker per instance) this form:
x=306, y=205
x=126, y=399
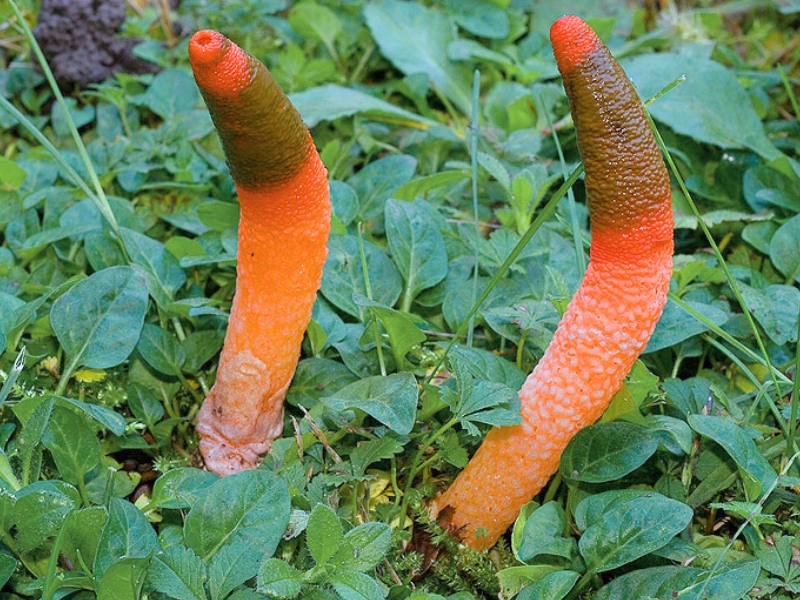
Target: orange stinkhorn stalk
x=608, y=322
x=283, y=234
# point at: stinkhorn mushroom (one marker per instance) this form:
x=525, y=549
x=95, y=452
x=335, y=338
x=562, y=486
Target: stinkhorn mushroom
x=283, y=233
x=608, y=322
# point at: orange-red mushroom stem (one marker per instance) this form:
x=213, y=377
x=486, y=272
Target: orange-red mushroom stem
x=283, y=232
x=612, y=316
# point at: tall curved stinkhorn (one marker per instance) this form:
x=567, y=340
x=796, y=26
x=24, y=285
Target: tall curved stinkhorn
x=608, y=322
x=283, y=232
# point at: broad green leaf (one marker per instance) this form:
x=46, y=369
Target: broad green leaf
x=343, y=275
x=84, y=528
x=161, y=350
x=479, y=401
x=312, y=20
x=72, y=443
x=218, y=215
x=123, y=580
x=731, y=581
x=592, y=508
x=8, y=564
x=513, y=579
x=415, y=39
x=363, y=547
x=775, y=308
x=777, y=556
x=105, y=417
x=421, y=186
x=483, y=18
x=330, y=102
x=483, y=364
x=230, y=567
x=40, y=510
x=607, y=451
x=375, y=183
x=126, y=534
x=372, y=451
x=632, y=529
x=251, y=507
x=51, y=236
x=765, y=187
x=323, y=533
x=401, y=328
x=172, y=92
x=544, y=534
x=279, y=579
x=316, y=378
x=710, y=106
x=153, y=261
x=676, y=325
x=99, y=319
x=554, y=586
x=144, y=405
x=392, y=400
x=674, y=434
x=80, y=116
x=742, y=449
x=417, y=247
x=353, y=585
x=11, y=174
x=180, y=488
x=784, y=249
x=178, y=573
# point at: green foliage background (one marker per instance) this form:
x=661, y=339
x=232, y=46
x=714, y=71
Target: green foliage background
x=455, y=248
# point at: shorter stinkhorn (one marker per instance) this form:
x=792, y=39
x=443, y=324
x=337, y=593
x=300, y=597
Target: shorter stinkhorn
x=608, y=322
x=283, y=233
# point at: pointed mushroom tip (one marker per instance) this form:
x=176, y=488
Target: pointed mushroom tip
x=573, y=40
x=207, y=47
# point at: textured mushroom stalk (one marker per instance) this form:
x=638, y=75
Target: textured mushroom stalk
x=614, y=312
x=283, y=232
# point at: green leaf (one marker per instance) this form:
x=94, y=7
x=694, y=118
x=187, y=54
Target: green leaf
x=180, y=488
x=178, y=573
x=279, y=579
x=676, y=325
x=757, y=472
x=11, y=174
x=392, y=399
x=316, y=378
x=415, y=39
x=674, y=434
x=483, y=364
x=479, y=401
x=172, y=93
x=417, y=247
x=554, y=586
x=343, y=274
x=161, y=350
x=544, y=534
x=607, y=451
x=632, y=529
x=314, y=21
x=105, y=417
x=775, y=308
x=401, y=328
x=784, y=249
x=40, y=511
x=84, y=528
x=126, y=534
x=73, y=445
x=372, y=451
x=153, y=261
x=230, y=567
x=778, y=557
x=421, y=186
x=8, y=564
x=363, y=547
x=218, y=215
x=352, y=585
x=330, y=102
x=99, y=319
x=323, y=533
x=765, y=187
x=123, y=580
x=710, y=106
x=730, y=581
x=375, y=183
x=251, y=507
